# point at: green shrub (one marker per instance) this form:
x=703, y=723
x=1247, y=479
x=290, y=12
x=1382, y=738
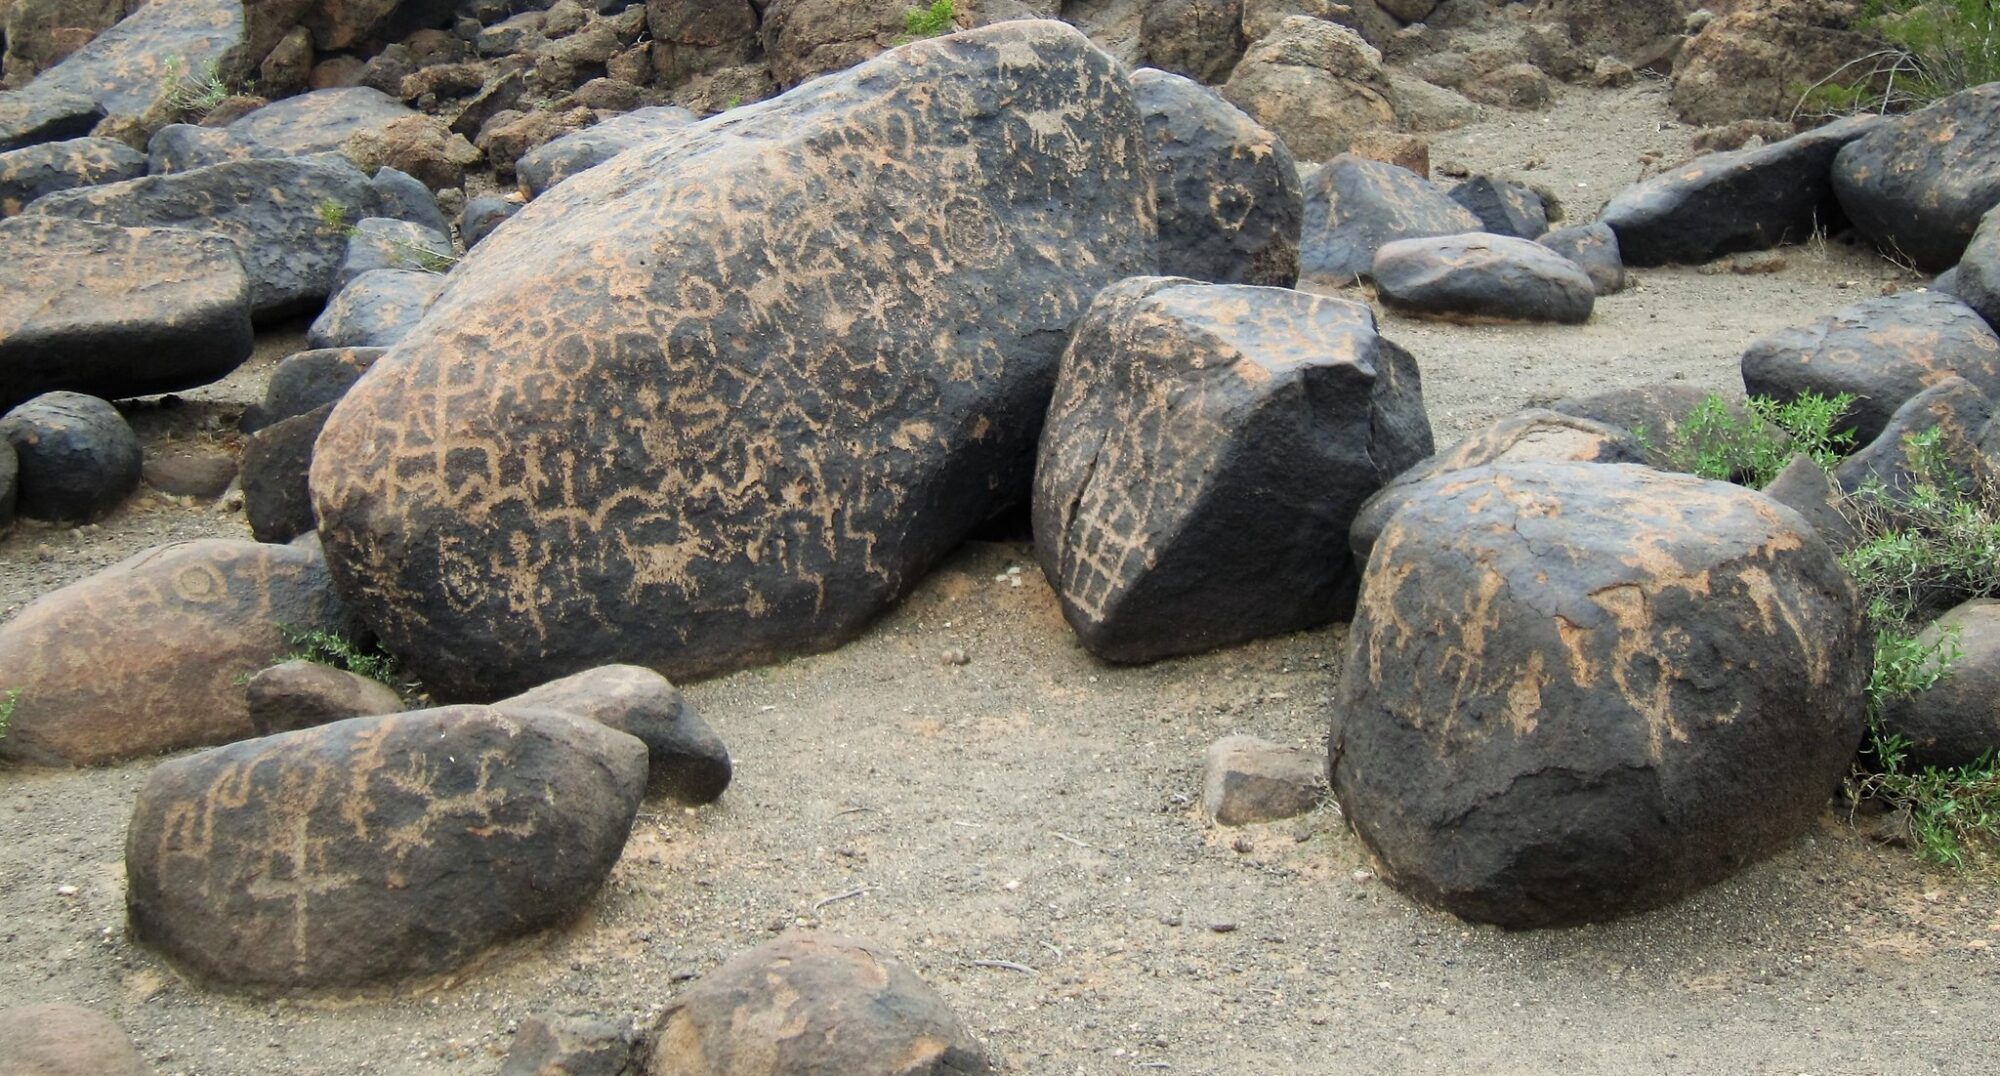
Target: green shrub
x=1935, y=48
x=939, y=18
x=329, y=648
x=193, y=93
x=1715, y=443
x=7, y=703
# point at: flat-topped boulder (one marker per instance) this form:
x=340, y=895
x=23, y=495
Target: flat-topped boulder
x=1353, y=206
x=1919, y=183
x=32, y=171
x=547, y=165
x=134, y=70
x=1482, y=277
x=318, y=122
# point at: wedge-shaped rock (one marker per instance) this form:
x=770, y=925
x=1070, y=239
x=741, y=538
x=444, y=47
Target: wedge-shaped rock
x=375, y=310
x=1918, y=184
x=1594, y=249
x=135, y=69
x=1574, y=691
x=1747, y=199
x=117, y=312
x=378, y=848
x=146, y=655
x=317, y=122
x=1884, y=351
x=1956, y=721
x=687, y=759
x=28, y=119
x=1483, y=277
x=32, y=171
x=1354, y=206
x=545, y=166
x=1953, y=411
x=1207, y=447
x=726, y=397
x=288, y=218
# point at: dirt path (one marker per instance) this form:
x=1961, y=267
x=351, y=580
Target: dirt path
x=1037, y=807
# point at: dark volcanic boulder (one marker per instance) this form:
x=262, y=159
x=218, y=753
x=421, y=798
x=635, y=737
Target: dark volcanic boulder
x=32, y=171
x=1246, y=780
x=1805, y=487
x=64, y=1040
x=135, y=70
x=400, y=196
x=1207, y=446
x=1653, y=414
x=276, y=460
x=144, y=656
x=695, y=36
x=1482, y=277
x=1956, y=410
x=288, y=218
x=384, y=243
x=301, y=694
x=786, y=424
x=317, y=122
x=78, y=457
x=577, y=1045
x=10, y=480
x=1316, y=84
x=1957, y=721
x=1978, y=275
x=814, y=1005
x=481, y=216
x=1918, y=184
x=1594, y=249
x=308, y=379
x=685, y=758
x=379, y=308
x=1575, y=691
x=1746, y=199
x=28, y=119
x=376, y=849
x=117, y=312
x=1228, y=191
x=547, y=165
x=1197, y=39
x=1884, y=351
x=1503, y=208
x=1353, y=206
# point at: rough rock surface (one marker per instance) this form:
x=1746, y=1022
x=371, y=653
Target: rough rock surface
x=574, y=1046
x=1749, y=199
x=306, y=380
x=1634, y=31
x=1884, y=351
x=547, y=165
x=816, y=1005
x=287, y=218
x=1353, y=206
x=64, y=1040
x=1978, y=272
x=1753, y=62
x=200, y=474
x=300, y=694
x=1205, y=448
x=10, y=481
x=1653, y=413
x=685, y=758
x=1246, y=780
x=481, y=216
x=376, y=310
x=1594, y=249
x=691, y=37
x=1227, y=189
x=78, y=458
x=32, y=171
x=1805, y=487
x=1918, y=184
x=689, y=311
x=1503, y=208
x=1956, y=409
x=41, y=33
x=1482, y=277
x=133, y=70
x=141, y=657
x=1642, y=682
x=117, y=312
x=276, y=460
x=317, y=122
x=1314, y=83
x=383, y=243
x=1197, y=39
x=376, y=849
x=28, y=119
x=1957, y=721
x=805, y=38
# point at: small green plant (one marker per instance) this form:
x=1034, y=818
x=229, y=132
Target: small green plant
x=330, y=648
x=735, y=101
x=1715, y=442
x=921, y=22
x=193, y=93
x=7, y=703
x=334, y=215
x=1935, y=48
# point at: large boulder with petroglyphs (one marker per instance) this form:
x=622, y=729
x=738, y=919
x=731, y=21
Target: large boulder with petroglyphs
x=1206, y=451
x=1577, y=690
x=379, y=848
x=726, y=397
x=146, y=656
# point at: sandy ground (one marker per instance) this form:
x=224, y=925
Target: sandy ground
x=1038, y=807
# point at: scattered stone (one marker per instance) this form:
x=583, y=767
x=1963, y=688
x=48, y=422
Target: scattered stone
x=381, y=243
x=1248, y=780
x=1635, y=31
x=377, y=849
x=481, y=216
x=1612, y=74
x=1484, y=278
x=306, y=380
x=1956, y=722
x=1536, y=727
x=1205, y=447
x=1407, y=151
x=287, y=218
x=548, y=165
x=276, y=460
x=632, y=275
x=1978, y=273
x=1918, y=184
x=422, y=147
x=202, y=475
x=28, y=119
x=143, y=656
x=573, y=1046
x=812, y=1003
x=378, y=309
x=807, y=38
x=117, y=312
x=1652, y=413
x=1503, y=208
x=287, y=68
x=1956, y=409
x=300, y=694
x=1421, y=106
x=1805, y=487
x=1354, y=206
x=1315, y=84
x=1751, y=199
x=78, y=457
x=404, y=197
x=1884, y=351
x=509, y=135
x=687, y=760
x=32, y=171
x=1196, y=39
x=1594, y=249
x=1514, y=86
x=1228, y=191
x=64, y=1040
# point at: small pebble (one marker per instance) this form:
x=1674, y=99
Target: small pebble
x=65, y=891
x=1222, y=926
x=955, y=656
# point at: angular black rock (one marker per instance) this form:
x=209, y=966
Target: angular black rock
x=685, y=758
x=1575, y=691
x=1918, y=185
x=1228, y=190
x=1805, y=487
x=28, y=119
x=1747, y=199
x=316, y=122
x=1957, y=410
x=1353, y=206
x=1957, y=721
x=546, y=166
x=32, y=171
x=577, y=1046
x=376, y=310
x=10, y=481
x=481, y=216
x=1503, y=208
x=404, y=197
x=133, y=69
x=308, y=379
x=1482, y=277
x=117, y=312
x=1884, y=351
x=1207, y=445
x=78, y=457
x=1594, y=248
x=276, y=460
x=376, y=849
x=288, y=218
x=385, y=243
x=786, y=425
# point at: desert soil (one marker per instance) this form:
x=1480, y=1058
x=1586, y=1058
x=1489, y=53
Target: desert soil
x=1039, y=808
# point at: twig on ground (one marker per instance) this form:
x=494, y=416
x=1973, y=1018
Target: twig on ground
x=1005, y=965
x=849, y=895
